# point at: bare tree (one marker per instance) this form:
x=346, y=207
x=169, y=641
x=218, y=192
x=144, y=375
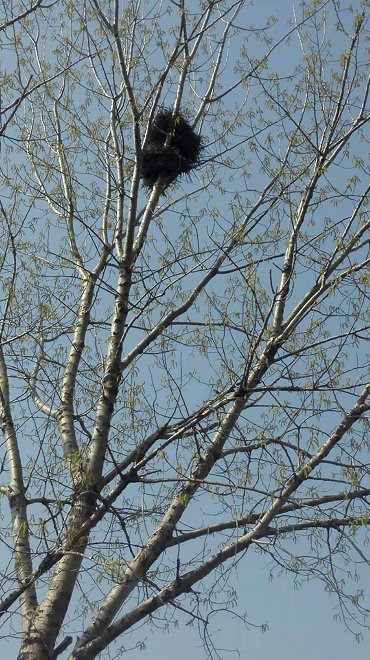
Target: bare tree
x=183, y=367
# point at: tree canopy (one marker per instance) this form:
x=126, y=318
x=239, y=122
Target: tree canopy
x=184, y=363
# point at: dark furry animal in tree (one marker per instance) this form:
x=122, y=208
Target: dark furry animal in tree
x=172, y=148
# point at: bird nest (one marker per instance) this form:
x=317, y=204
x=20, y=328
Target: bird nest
x=172, y=148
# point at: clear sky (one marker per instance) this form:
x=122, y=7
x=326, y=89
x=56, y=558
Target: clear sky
x=301, y=621
x=301, y=625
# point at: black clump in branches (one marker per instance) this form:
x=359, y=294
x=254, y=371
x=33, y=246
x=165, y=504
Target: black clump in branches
x=172, y=148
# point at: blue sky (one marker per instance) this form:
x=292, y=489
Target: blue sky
x=300, y=621
x=301, y=625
